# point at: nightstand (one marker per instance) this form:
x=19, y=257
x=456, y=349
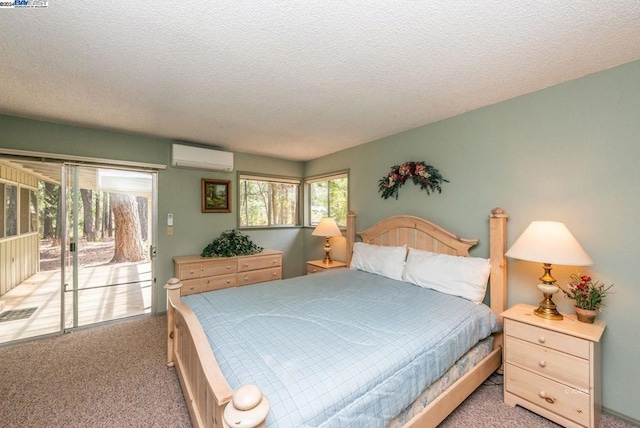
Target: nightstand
x=553, y=367
x=317, y=266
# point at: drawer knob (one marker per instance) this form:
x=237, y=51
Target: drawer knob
x=246, y=265
x=228, y=267
x=542, y=363
x=275, y=274
x=228, y=281
x=191, y=271
x=542, y=339
x=274, y=262
x=246, y=278
x=549, y=400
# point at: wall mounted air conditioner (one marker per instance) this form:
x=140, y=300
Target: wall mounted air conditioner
x=197, y=157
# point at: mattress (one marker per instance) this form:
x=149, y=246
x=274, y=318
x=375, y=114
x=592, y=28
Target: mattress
x=467, y=362
x=341, y=348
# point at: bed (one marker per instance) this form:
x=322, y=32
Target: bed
x=206, y=381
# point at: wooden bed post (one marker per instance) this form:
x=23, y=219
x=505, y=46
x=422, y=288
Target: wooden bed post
x=498, y=278
x=173, y=287
x=351, y=235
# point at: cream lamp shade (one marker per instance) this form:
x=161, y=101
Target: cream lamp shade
x=327, y=228
x=548, y=242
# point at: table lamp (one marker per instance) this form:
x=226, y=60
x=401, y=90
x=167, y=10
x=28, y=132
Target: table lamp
x=327, y=228
x=548, y=242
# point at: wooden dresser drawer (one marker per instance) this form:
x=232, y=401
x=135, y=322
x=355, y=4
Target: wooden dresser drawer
x=259, y=262
x=252, y=277
x=550, y=339
x=219, y=267
x=564, y=368
x=219, y=282
x=190, y=286
x=553, y=396
x=190, y=270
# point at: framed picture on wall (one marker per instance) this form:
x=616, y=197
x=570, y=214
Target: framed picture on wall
x=216, y=196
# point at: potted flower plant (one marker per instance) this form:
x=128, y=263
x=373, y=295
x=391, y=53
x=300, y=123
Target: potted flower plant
x=588, y=295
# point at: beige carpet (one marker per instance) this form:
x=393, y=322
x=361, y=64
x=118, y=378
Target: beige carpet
x=115, y=376
x=110, y=376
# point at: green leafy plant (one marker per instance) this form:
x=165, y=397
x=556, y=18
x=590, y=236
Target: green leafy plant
x=587, y=293
x=231, y=243
x=423, y=175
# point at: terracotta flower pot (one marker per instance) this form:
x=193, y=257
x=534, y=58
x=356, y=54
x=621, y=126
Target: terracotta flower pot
x=586, y=315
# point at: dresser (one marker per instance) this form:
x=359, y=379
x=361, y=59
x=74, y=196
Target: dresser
x=200, y=274
x=553, y=368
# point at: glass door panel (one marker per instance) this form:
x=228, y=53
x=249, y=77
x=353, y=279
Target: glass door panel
x=109, y=269
x=30, y=248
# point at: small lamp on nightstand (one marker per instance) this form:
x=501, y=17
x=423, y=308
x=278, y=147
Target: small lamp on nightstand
x=548, y=242
x=327, y=228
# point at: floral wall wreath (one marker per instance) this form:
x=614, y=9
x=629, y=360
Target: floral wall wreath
x=426, y=176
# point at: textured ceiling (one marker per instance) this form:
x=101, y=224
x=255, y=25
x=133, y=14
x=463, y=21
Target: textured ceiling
x=291, y=79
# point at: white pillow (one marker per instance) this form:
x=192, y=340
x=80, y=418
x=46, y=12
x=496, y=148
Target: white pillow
x=378, y=259
x=456, y=275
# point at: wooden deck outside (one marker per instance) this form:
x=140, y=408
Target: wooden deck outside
x=42, y=290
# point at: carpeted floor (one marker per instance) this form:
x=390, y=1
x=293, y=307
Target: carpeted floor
x=115, y=376
x=110, y=376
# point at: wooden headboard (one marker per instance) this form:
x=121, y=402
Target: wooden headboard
x=422, y=234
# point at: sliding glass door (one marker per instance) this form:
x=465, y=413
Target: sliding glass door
x=108, y=269
x=77, y=245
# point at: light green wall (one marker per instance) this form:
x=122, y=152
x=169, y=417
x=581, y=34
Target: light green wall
x=178, y=189
x=568, y=153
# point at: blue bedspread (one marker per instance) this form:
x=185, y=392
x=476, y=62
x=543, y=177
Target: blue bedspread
x=339, y=349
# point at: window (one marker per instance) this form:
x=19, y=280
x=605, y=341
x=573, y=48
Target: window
x=10, y=208
x=328, y=197
x=2, y=210
x=28, y=211
x=267, y=201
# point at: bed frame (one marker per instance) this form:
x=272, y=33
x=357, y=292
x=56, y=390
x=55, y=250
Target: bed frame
x=209, y=396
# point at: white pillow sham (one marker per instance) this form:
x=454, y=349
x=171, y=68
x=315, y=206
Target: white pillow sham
x=378, y=259
x=456, y=275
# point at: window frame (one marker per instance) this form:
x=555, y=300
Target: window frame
x=308, y=181
x=26, y=218
x=280, y=179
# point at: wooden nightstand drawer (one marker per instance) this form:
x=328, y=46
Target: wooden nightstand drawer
x=313, y=269
x=219, y=267
x=219, y=282
x=252, y=277
x=317, y=266
x=553, y=396
x=190, y=286
x=550, y=339
x=564, y=368
x=260, y=262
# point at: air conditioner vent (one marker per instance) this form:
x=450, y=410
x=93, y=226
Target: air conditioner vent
x=200, y=158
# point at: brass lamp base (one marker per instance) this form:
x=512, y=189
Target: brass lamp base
x=327, y=249
x=547, y=309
